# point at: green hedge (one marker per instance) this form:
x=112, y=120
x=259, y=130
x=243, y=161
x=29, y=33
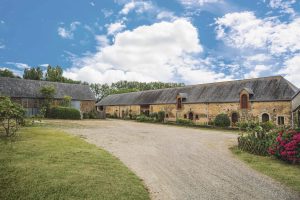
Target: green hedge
x=63, y=113
x=222, y=120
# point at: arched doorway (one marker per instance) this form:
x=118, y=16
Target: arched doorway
x=234, y=118
x=191, y=116
x=265, y=117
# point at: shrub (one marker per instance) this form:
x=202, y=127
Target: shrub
x=143, y=118
x=222, y=120
x=11, y=116
x=255, y=144
x=287, y=146
x=85, y=116
x=258, y=138
x=267, y=126
x=63, y=113
x=161, y=116
x=153, y=115
x=185, y=122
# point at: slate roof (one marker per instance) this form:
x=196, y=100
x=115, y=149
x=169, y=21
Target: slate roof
x=15, y=87
x=275, y=88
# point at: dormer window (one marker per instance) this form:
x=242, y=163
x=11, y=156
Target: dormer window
x=181, y=97
x=244, y=101
x=245, y=95
x=179, y=103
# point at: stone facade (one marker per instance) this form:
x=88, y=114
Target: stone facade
x=296, y=110
x=33, y=105
x=203, y=113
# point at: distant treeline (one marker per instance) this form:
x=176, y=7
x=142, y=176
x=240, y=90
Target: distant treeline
x=55, y=74
x=103, y=90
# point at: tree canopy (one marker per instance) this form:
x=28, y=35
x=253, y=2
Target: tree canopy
x=34, y=73
x=7, y=73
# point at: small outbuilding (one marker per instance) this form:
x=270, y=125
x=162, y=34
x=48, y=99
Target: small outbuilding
x=27, y=93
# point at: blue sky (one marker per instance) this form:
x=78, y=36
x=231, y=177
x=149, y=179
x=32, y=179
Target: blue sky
x=190, y=41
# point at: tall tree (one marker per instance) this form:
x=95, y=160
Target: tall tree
x=54, y=74
x=34, y=73
x=7, y=73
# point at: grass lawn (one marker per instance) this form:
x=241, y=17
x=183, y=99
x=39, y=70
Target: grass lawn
x=44, y=163
x=285, y=173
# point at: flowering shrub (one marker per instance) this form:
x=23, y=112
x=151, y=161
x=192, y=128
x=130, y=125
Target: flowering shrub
x=287, y=146
x=258, y=138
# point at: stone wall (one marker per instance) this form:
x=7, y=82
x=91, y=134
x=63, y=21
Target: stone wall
x=296, y=102
x=203, y=113
x=87, y=106
x=122, y=111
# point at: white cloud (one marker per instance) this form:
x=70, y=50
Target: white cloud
x=166, y=15
x=2, y=22
x=107, y=13
x=164, y=51
x=244, y=30
x=116, y=27
x=291, y=70
x=44, y=65
x=2, y=46
x=285, y=6
x=68, y=33
x=18, y=65
x=258, y=70
x=92, y=3
x=138, y=6
x=193, y=3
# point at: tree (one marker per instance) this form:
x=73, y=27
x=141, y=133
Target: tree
x=33, y=73
x=7, y=73
x=11, y=115
x=54, y=74
x=48, y=93
x=66, y=101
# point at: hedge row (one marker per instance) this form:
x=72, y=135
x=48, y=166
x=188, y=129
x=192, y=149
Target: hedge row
x=63, y=113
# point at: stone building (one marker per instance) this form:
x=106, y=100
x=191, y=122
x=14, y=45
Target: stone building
x=264, y=99
x=27, y=93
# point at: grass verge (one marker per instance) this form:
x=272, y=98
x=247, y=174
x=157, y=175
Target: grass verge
x=285, y=173
x=43, y=163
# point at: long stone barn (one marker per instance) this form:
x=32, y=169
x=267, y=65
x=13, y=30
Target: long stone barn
x=27, y=93
x=265, y=99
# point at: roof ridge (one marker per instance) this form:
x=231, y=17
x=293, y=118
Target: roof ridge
x=211, y=83
x=43, y=81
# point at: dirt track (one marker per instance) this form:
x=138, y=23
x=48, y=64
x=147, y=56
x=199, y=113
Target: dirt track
x=181, y=163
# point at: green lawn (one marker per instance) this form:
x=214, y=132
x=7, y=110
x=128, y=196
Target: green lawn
x=285, y=173
x=44, y=163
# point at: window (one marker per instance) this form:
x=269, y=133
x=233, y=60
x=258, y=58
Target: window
x=179, y=106
x=280, y=120
x=244, y=101
x=167, y=116
x=265, y=117
x=197, y=117
x=234, y=118
x=184, y=116
x=101, y=108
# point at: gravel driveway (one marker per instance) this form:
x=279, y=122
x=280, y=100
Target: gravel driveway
x=182, y=163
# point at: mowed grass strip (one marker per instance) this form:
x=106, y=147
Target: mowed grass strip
x=285, y=173
x=48, y=164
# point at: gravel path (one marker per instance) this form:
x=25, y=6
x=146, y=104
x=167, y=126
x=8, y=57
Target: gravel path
x=182, y=163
